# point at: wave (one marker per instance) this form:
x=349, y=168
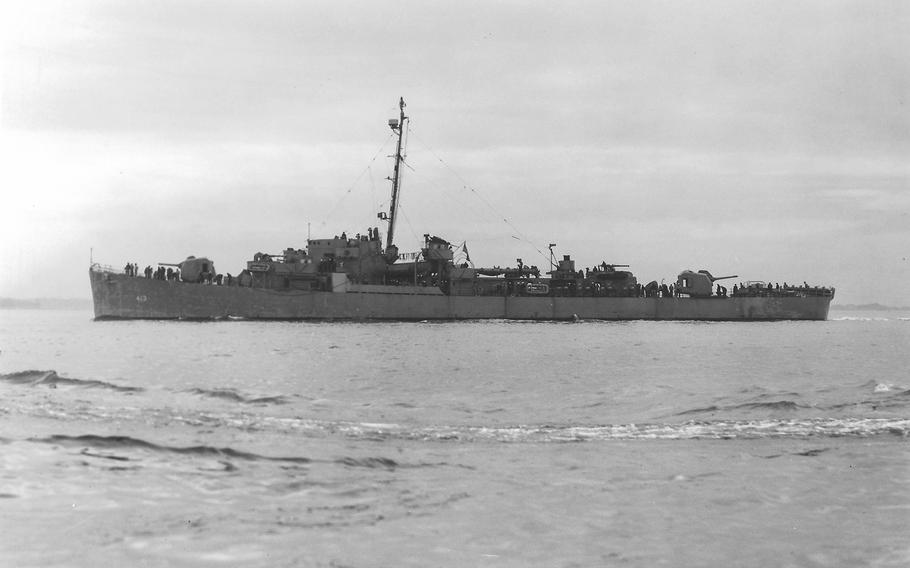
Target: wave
x=874, y=395
x=372, y=463
x=52, y=380
x=705, y=410
x=127, y=443
x=691, y=430
x=134, y=450
x=894, y=389
x=776, y=405
x=883, y=396
x=130, y=443
x=719, y=430
x=234, y=396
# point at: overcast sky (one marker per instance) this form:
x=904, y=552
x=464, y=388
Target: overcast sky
x=765, y=139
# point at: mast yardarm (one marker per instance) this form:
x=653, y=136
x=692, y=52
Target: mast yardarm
x=397, y=126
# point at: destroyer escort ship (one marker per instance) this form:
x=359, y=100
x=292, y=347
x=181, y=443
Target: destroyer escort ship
x=359, y=278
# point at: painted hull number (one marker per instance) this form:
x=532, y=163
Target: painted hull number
x=142, y=298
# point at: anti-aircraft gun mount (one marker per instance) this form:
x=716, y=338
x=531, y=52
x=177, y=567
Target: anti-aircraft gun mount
x=698, y=284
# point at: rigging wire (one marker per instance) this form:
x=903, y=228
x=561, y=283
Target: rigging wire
x=372, y=189
x=445, y=191
x=473, y=190
x=354, y=184
x=410, y=226
x=450, y=195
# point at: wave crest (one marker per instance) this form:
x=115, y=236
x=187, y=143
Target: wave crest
x=692, y=430
x=52, y=380
x=130, y=443
x=234, y=396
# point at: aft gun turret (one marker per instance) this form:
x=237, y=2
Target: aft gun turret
x=715, y=278
x=699, y=284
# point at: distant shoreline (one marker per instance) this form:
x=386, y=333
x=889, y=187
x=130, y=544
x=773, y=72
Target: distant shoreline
x=46, y=304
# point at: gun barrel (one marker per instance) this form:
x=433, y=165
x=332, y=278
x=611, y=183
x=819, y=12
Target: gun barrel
x=726, y=277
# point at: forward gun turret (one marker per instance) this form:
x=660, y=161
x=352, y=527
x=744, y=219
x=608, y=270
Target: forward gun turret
x=194, y=269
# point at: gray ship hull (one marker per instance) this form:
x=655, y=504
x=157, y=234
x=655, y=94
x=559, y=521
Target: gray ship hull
x=117, y=296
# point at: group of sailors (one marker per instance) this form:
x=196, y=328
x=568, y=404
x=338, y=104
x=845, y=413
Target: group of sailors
x=206, y=277
x=602, y=267
x=655, y=290
x=761, y=289
x=372, y=235
x=512, y=287
x=649, y=290
x=224, y=279
x=160, y=273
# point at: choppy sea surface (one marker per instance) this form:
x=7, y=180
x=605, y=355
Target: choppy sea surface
x=148, y=443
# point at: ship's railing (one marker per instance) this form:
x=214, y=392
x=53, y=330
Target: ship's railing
x=98, y=267
x=788, y=292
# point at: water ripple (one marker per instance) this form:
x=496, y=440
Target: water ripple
x=52, y=380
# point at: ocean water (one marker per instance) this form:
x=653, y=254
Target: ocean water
x=495, y=443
